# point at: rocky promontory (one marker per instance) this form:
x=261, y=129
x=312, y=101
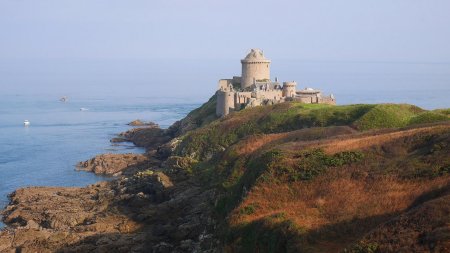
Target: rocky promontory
x=282, y=178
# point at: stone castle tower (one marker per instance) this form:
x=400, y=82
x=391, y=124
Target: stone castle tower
x=289, y=89
x=255, y=67
x=254, y=88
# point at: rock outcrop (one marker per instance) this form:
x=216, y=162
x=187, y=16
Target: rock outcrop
x=145, y=212
x=143, y=123
x=115, y=164
x=147, y=137
x=259, y=180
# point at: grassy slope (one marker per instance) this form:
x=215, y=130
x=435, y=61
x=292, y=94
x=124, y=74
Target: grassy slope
x=215, y=137
x=311, y=178
x=308, y=200
x=199, y=117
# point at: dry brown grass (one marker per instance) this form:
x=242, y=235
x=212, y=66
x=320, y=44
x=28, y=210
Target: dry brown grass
x=338, y=206
x=333, y=199
x=362, y=140
x=256, y=142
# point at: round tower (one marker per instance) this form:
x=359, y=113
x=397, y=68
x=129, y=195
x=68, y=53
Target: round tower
x=289, y=89
x=255, y=67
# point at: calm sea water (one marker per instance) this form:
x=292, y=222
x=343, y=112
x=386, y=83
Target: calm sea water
x=116, y=92
x=60, y=135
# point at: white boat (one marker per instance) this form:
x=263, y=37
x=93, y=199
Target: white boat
x=64, y=99
x=84, y=109
x=26, y=122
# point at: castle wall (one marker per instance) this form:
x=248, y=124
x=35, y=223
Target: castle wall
x=269, y=94
x=225, y=102
x=241, y=98
x=237, y=79
x=327, y=100
x=224, y=84
x=306, y=100
x=289, y=89
x=254, y=70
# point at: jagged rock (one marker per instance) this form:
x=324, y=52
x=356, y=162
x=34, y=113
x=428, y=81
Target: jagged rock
x=111, y=164
x=143, y=123
x=147, y=137
x=31, y=224
x=166, y=150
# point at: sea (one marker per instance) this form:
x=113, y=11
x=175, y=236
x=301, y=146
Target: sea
x=60, y=135
x=114, y=93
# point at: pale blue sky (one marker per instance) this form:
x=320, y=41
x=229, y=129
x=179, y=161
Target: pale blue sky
x=347, y=30
x=129, y=47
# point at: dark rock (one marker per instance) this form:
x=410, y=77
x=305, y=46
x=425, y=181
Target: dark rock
x=143, y=123
x=118, y=140
x=112, y=164
x=163, y=247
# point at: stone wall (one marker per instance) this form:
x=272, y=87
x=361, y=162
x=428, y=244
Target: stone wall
x=289, y=89
x=254, y=71
x=269, y=94
x=225, y=102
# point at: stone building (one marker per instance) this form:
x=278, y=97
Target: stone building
x=254, y=88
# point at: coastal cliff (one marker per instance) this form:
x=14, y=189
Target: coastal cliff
x=284, y=178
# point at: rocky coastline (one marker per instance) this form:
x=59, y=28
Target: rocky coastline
x=282, y=178
x=148, y=208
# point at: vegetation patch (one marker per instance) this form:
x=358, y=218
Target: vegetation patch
x=387, y=116
x=428, y=117
x=363, y=247
x=272, y=234
x=215, y=137
x=185, y=164
x=305, y=165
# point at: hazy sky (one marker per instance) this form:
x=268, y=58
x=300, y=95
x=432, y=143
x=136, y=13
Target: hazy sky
x=348, y=30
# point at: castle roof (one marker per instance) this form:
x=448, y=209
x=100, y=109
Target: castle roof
x=255, y=55
x=308, y=91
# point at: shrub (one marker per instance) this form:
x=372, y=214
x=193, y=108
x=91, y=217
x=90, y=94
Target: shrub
x=308, y=165
x=363, y=247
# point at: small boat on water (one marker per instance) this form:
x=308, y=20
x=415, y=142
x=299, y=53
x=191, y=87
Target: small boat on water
x=26, y=122
x=84, y=109
x=64, y=99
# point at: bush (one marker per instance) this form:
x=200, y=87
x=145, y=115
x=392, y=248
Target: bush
x=309, y=164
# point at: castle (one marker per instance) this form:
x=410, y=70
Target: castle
x=254, y=88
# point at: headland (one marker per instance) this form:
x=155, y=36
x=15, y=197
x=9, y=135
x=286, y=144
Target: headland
x=283, y=177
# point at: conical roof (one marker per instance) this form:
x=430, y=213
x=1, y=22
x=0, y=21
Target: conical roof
x=255, y=55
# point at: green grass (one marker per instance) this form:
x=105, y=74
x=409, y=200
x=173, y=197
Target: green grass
x=216, y=136
x=307, y=164
x=443, y=111
x=427, y=117
x=208, y=151
x=387, y=116
x=199, y=117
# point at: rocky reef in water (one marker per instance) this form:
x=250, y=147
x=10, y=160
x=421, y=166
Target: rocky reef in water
x=283, y=178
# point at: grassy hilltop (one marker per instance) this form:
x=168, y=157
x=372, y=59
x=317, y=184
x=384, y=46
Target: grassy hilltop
x=317, y=178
